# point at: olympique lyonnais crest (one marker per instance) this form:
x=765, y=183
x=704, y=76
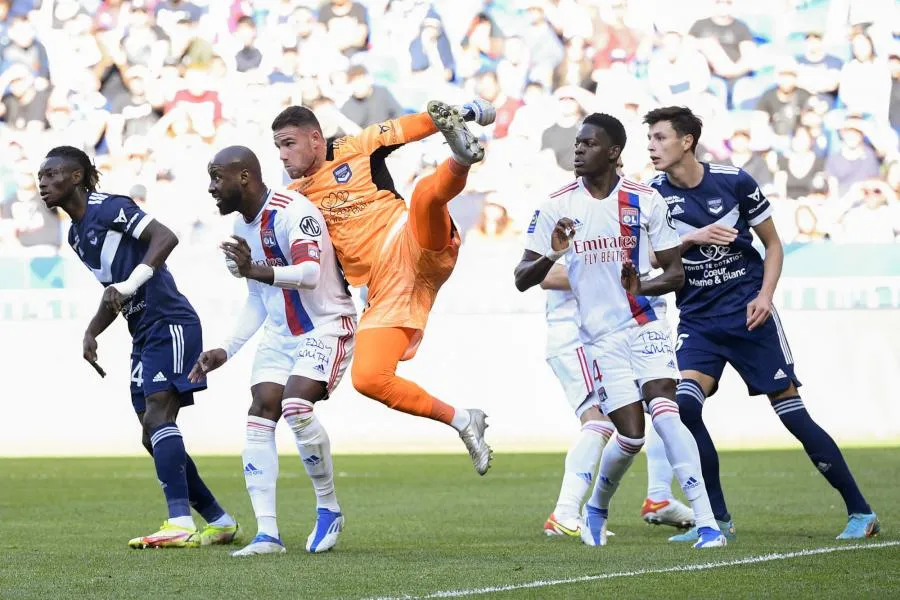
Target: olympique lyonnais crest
x=268, y=238
x=629, y=216
x=715, y=205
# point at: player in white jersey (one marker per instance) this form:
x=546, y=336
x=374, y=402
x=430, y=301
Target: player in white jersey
x=606, y=224
x=565, y=355
x=297, y=292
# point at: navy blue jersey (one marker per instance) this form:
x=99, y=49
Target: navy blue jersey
x=106, y=240
x=719, y=280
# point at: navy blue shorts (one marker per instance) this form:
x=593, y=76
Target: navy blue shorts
x=163, y=360
x=761, y=357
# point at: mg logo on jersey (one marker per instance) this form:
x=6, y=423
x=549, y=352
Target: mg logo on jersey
x=630, y=216
x=715, y=205
x=342, y=173
x=268, y=238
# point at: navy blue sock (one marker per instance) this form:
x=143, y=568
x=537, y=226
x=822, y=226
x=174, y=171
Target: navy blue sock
x=202, y=500
x=822, y=451
x=169, y=457
x=690, y=398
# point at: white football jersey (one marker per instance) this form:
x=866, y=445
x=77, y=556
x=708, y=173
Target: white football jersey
x=608, y=232
x=562, y=323
x=287, y=222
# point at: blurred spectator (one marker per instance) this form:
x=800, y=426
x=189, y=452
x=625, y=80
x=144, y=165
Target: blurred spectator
x=488, y=87
x=727, y=43
x=24, y=106
x=819, y=72
x=873, y=216
x=781, y=104
x=513, y=69
x=575, y=69
x=677, y=74
x=812, y=116
x=559, y=138
x=754, y=163
x=494, y=223
x=26, y=50
x=37, y=227
x=144, y=43
x=854, y=160
x=248, y=57
x=613, y=35
x=171, y=12
x=347, y=23
x=799, y=166
x=894, y=110
x=483, y=41
x=865, y=83
x=285, y=71
x=368, y=103
x=431, y=50
x=544, y=45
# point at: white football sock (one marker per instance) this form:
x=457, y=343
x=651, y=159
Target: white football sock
x=616, y=458
x=659, y=471
x=186, y=522
x=581, y=465
x=684, y=458
x=314, y=448
x=261, y=472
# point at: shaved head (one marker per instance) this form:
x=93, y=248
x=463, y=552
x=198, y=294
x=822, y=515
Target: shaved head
x=235, y=180
x=239, y=158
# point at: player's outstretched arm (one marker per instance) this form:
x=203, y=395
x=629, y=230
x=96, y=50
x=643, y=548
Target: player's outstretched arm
x=534, y=267
x=671, y=280
x=557, y=279
x=760, y=308
x=396, y=132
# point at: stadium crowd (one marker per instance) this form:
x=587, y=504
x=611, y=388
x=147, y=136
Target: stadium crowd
x=803, y=94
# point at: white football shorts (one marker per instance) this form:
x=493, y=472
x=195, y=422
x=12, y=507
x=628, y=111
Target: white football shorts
x=626, y=360
x=571, y=369
x=323, y=354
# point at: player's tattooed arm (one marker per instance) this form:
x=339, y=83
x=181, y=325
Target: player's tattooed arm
x=671, y=280
x=556, y=279
x=760, y=308
x=533, y=267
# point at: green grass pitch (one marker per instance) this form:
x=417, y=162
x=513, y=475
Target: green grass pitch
x=422, y=525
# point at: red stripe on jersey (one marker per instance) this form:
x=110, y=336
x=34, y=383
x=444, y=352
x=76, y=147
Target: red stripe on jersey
x=278, y=203
x=634, y=186
x=567, y=188
x=282, y=197
x=304, y=251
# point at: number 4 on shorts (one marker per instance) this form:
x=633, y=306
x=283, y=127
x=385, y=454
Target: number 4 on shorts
x=137, y=374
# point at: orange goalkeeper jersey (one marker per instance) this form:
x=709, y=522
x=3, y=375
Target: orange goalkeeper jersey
x=356, y=193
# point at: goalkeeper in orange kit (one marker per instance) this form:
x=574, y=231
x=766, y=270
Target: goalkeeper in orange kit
x=403, y=255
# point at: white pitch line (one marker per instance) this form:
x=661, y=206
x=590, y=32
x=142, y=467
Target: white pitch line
x=750, y=560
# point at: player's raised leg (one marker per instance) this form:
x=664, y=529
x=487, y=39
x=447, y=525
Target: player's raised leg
x=314, y=447
x=260, y=459
x=169, y=457
x=828, y=459
x=661, y=507
x=378, y=351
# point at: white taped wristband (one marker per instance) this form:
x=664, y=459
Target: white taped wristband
x=141, y=275
x=555, y=255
